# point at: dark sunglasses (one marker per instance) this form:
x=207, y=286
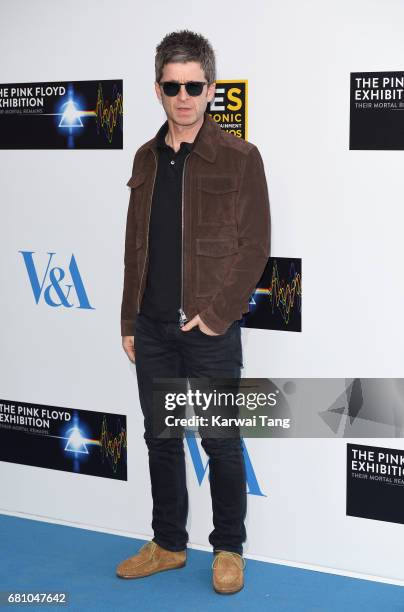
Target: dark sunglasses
x=193, y=88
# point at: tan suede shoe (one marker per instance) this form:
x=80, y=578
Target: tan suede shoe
x=150, y=559
x=228, y=572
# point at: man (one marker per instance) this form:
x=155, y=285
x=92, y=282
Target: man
x=197, y=241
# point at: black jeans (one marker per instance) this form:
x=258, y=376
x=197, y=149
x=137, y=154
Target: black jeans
x=162, y=350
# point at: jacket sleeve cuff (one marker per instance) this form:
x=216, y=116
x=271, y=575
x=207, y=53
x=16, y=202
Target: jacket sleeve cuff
x=128, y=327
x=219, y=326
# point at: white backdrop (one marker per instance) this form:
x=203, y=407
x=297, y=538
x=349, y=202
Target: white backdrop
x=339, y=210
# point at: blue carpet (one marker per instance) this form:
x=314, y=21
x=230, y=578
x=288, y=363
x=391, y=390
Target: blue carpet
x=37, y=556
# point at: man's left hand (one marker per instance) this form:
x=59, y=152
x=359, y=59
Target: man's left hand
x=202, y=326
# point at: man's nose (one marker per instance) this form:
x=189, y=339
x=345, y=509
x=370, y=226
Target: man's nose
x=182, y=94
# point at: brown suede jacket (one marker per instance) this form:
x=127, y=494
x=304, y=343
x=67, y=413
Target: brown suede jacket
x=225, y=228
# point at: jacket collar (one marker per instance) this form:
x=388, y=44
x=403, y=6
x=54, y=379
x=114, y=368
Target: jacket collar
x=205, y=142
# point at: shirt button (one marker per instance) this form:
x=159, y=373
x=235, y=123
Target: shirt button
x=172, y=162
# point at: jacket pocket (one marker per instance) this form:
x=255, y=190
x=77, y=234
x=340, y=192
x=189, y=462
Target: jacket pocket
x=217, y=200
x=214, y=257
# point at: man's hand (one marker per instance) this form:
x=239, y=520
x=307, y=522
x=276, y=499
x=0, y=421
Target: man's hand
x=202, y=326
x=128, y=343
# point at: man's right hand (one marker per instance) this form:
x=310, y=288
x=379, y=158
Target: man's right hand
x=128, y=343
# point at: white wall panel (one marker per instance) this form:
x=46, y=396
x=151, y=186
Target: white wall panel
x=339, y=210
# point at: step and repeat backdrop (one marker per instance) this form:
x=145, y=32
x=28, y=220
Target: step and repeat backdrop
x=325, y=462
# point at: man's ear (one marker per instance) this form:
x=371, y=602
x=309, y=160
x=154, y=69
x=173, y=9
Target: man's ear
x=211, y=91
x=158, y=91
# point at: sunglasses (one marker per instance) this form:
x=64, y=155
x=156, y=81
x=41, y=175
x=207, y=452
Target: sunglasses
x=193, y=88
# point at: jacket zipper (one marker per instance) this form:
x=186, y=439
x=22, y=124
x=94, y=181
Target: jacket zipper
x=183, y=317
x=147, y=232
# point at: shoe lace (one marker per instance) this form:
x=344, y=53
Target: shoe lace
x=226, y=553
x=152, y=545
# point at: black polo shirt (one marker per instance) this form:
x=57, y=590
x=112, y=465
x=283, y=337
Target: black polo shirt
x=162, y=296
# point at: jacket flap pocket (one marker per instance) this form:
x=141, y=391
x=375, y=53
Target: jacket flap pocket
x=216, y=247
x=217, y=184
x=136, y=180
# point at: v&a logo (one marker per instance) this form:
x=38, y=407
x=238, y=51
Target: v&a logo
x=54, y=285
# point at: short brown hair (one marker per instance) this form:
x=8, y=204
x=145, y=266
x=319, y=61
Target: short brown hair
x=186, y=46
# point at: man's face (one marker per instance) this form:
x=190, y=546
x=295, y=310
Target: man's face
x=184, y=109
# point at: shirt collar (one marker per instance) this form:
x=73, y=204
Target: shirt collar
x=206, y=142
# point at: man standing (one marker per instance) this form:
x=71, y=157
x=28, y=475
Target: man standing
x=197, y=241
